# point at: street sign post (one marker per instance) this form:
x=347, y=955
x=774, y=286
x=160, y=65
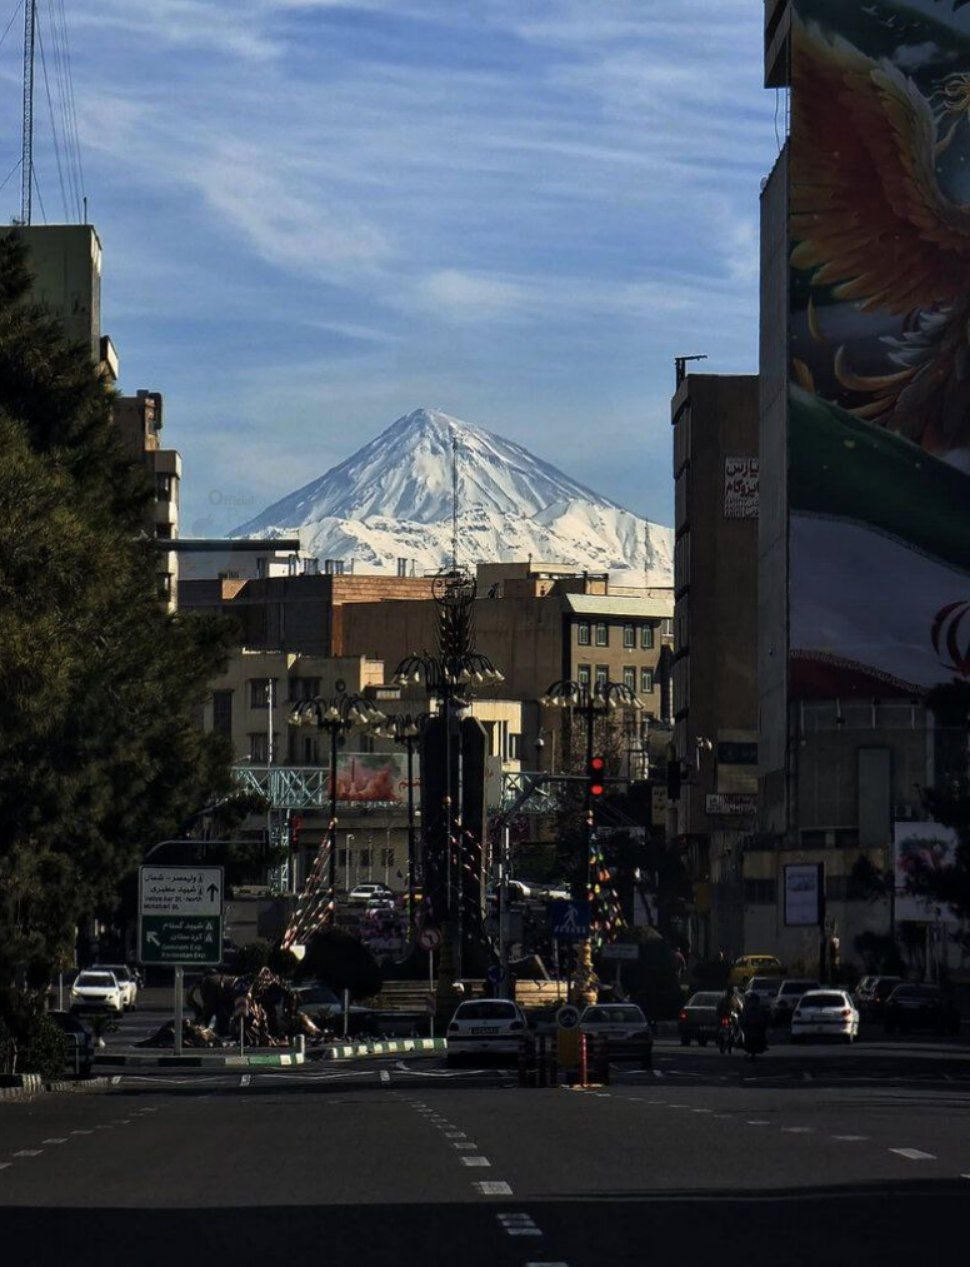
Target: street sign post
x=569, y=920
x=429, y=939
x=180, y=922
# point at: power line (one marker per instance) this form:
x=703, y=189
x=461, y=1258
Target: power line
x=6, y=179
x=40, y=197
x=50, y=107
x=6, y=30
x=73, y=103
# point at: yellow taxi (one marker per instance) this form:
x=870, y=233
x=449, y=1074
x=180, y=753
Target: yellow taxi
x=748, y=966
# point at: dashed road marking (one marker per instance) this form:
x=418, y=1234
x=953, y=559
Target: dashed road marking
x=518, y=1225
x=702, y=1110
x=850, y=1139
x=82, y=1132
x=464, y=1145
x=455, y=1135
x=475, y=1161
x=493, y=1188
x=245, y=1079
x=799, y=1130
x=384, y=1075
x=757, y=1121
x=658, y=1073
x=5, y=1165
x=29, y=1152
x=913, y=1154
x=55, y=1139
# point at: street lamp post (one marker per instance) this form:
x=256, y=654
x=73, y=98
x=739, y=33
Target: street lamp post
x=447, y=675
x=336, y=715
x=405, y=730
x=589, y=702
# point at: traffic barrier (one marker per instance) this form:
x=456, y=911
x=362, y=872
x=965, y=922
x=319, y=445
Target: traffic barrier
x=583, y=1061
x=393, y=1047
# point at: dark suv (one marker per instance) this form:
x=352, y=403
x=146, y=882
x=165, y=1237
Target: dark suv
x=80, y=1040
x=920, y=1007
x=871, y=993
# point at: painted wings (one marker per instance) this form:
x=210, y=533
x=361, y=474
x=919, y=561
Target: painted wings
x=868, y=212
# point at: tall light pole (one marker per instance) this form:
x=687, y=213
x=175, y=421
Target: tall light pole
x=336, y=715
x=405, y=730
x=589, y=702
x=448, y=675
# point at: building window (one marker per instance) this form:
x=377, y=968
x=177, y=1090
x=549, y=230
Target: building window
x=629, y=637
x=646, y=637
x=259, y=747
x=163, y=487
x=760, y=892
x=630, y=677
x=667, y=627
x=646, y=681
x=259, y=692
x=583, y=676
x=364, y=858
x=582, y=634
x=602, y=675
x=515, y=747
x=302, y=688
x=602, y=636
x=222, y=713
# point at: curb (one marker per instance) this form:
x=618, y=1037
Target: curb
x=393, y=1047
x=270, y=1060
x=35, y=1087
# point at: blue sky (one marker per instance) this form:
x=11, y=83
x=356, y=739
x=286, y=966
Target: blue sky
x=318, y=215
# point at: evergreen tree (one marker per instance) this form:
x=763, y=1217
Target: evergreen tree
x=100, y=688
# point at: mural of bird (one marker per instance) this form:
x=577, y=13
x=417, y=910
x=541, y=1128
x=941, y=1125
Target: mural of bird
x=874, y=227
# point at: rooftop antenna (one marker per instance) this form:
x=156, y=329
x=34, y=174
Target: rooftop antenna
x=680, y=365
x=27, y=149
x=454, y=501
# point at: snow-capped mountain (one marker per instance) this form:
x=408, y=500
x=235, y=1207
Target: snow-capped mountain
x=393, y=499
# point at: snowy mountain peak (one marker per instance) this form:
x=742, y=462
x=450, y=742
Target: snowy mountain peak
x=393, y=499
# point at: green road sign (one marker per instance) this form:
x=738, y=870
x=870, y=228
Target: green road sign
x=180, y=915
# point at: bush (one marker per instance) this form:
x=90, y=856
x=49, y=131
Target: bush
x=43, y=1050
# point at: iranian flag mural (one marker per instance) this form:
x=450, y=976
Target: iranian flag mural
x=879, y=436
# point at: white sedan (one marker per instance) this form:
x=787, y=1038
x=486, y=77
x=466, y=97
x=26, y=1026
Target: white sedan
x=97, y=991
x=825, y=1014
x=485, y=1027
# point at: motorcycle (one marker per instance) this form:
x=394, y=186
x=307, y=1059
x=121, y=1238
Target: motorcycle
x=727, y=1035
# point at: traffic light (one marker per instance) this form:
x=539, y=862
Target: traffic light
x=596, y=776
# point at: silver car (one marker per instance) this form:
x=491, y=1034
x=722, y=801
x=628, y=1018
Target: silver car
x=97, y=992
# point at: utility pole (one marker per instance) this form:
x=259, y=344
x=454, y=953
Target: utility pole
x=27, y=146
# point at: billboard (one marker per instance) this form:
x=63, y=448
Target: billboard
x=879, y=417
x=804, y=894
x=374, y=778
x=920, y=847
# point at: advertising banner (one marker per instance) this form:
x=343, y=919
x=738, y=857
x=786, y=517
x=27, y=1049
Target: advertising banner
x=374, y=778
x=879, y=425
x=804, y=884
x=917, y=846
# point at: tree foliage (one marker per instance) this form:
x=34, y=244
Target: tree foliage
x=100, y=688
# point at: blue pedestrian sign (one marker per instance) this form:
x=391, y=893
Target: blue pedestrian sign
x=570, y=920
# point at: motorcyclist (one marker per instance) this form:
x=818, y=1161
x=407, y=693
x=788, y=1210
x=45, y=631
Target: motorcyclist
x=729, y=1008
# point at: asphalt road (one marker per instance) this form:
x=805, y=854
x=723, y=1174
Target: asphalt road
x=814, y=1155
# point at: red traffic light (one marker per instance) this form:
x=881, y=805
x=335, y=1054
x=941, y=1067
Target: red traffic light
x=596, y=773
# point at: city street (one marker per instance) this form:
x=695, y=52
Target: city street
x=364, y=1162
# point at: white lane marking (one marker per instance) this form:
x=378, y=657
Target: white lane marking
x=702, y=1110
x=116, y=1079
x=5, y=1165
x=799, y=1130
x=913, y=1154
x=55, y=1139
x=465, y=1145
x=29, y=1152
x=475, y=1161
x=384, y=1076
x=245, y=1079
x=757, y=1121
x=82, y=1132
x=850, y=1139
x=657, y=1073
x=455, y=1135
x=493, y=1188
x=546, y=1265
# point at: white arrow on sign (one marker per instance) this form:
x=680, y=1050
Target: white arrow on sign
x=152, y=939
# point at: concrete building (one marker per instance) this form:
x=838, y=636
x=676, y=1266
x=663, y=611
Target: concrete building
x=139, y=422
x=209, y=559
x=715, y=443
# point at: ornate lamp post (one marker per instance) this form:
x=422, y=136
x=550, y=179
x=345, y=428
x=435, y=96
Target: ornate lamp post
x=589, y=702
x=405, y=730
x=447, y=676
x=336, y=715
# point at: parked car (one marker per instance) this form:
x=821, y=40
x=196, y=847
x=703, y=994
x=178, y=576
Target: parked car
x=697, y=1019
x=97, y=992
x=324, y=1006
x=625, y=1028
x=871, y=993
x=766, y=988
x=825, y=1014
x=367, y=892
x=748, y=966
x=789, y=992
x=81, y=1040
x=920, y=1007
x=125, y=978
x=485, y=1027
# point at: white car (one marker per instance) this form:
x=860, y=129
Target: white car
x=625, y=1028
x=367, y=892
x=825, y=1014
x=97, y=991
x=125, y=978
x=485, y=1027
x=766, y=988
